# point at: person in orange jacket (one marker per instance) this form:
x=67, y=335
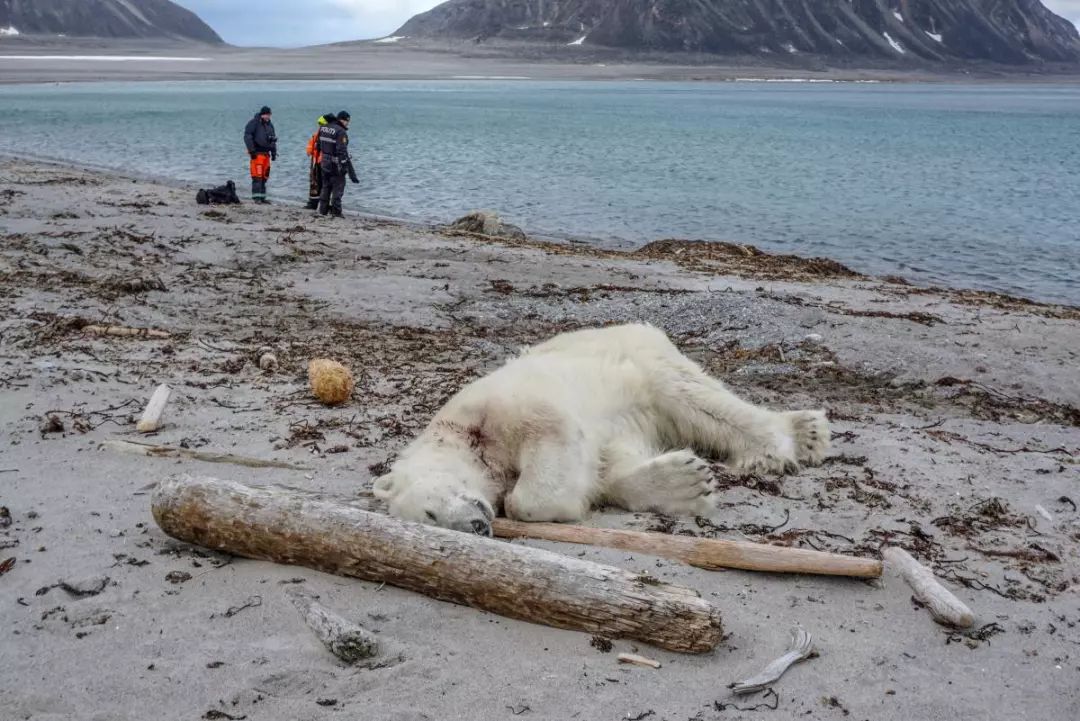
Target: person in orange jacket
x=315, y=174
x=261, y=141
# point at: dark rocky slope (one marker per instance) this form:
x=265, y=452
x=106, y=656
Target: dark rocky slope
x=105, y=19
x=1002, y=31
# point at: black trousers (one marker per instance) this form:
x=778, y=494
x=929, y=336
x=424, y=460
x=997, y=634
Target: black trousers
x=333, y=187
x=315, y=184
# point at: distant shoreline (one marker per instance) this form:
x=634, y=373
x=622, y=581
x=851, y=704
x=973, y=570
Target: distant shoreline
x=80, y=60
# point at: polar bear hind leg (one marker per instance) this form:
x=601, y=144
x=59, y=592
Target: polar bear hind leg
x=707, y=416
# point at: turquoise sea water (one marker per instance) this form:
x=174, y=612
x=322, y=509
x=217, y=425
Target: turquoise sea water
x=975, y=186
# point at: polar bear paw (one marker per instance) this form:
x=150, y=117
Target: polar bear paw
x=810, y=432
x=683, y=484
x=795, y=438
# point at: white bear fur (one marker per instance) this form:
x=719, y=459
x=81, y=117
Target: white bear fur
x=614, y=416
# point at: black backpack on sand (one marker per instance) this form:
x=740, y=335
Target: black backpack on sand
x=221, y=195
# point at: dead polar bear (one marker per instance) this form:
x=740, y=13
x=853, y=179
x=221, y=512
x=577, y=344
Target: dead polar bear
x=588, y=418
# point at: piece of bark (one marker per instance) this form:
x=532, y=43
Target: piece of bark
x=529, y=584
x=155, y=409
x=800, y=647
x=943, y=605
x=125, y=332
x=149, y=449
x=348, y=641
x=633, y=658
x=707, y=553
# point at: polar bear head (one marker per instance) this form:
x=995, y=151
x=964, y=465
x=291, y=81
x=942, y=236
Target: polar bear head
x=436, y=497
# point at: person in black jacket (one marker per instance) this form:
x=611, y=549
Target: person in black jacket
x=336, y=163
x=261, y=142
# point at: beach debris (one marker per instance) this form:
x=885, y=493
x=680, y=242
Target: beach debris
x=84, y=587
x=636, y=660
x=1044, y=513
x=708, y=553
x=800, y=648
x=6, y=565
x=348, y=641
x=175, y=577
x=336, y=535
x=5, y=517
x=268, y=362
x=125, y=332
x=136, y=285
x=487, y=222
x=331, y=382
x=51, y=424
x=601, y=644
x=155, y=409
x=149, y=449
x=943, y=605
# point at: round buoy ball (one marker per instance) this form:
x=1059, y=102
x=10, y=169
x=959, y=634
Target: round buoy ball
x=331, y=382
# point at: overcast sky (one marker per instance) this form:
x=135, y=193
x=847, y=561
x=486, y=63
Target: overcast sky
x=313, y=22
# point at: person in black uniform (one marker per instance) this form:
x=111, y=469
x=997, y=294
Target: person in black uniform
x=336, y=163
x=261, y=142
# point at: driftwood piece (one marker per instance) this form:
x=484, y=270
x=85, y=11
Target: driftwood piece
x=943, y=605
x=149, y=449
x=529, y=584
x=707, y=553
x=800, y=648
x=125, y=332
x=350, y=642
x=155, y=409
x=636, y=660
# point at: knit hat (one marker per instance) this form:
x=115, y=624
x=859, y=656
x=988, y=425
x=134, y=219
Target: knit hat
x=344, y=115
x=265, y=110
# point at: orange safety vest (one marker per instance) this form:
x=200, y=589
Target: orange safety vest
x=313, y=148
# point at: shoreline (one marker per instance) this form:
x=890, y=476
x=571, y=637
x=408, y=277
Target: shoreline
x=956, y=426
x=601, y=247
x=435, y=61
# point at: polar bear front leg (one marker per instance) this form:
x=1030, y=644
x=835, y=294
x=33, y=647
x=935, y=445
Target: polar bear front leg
x=556, y=482
x=677, y=482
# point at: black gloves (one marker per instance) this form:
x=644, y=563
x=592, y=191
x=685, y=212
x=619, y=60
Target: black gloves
x=273, y=155
x=352, y=175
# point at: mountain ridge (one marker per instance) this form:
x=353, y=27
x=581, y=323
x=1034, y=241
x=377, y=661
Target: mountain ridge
x=1012, y=32
x=105, y=19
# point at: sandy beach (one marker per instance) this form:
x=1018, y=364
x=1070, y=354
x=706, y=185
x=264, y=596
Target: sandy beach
x=956, y=419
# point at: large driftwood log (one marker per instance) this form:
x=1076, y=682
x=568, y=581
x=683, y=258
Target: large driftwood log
x=286, y=526
x=708, y=553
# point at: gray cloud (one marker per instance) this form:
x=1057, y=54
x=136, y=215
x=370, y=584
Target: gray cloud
x=293, y=23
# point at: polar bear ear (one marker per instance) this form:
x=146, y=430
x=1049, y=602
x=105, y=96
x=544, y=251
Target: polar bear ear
x=383, y=487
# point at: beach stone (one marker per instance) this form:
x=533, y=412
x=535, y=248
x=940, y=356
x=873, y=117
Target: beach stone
x=487, y=222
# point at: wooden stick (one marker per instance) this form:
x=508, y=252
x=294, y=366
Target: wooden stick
x=151, y=417
x=633, y=658
x=708, y=553
x=348, y=641
x=149, y=449
x=530, y=584
x=943, y=605
x=125, y=332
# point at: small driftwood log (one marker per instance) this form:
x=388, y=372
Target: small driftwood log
x=155, y=409
x=530, y=584
x=707, y=553
x=943, y=605
x=135, y=448
x=348, y=641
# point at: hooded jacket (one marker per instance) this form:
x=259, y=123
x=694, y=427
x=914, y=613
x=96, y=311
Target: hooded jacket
x=259, y=136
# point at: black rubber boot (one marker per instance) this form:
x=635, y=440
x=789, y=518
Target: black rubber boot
x=312, y=204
